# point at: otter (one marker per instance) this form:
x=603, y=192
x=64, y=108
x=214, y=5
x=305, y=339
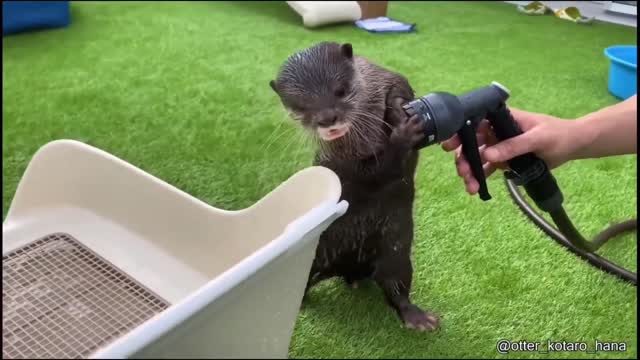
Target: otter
x=352, y=108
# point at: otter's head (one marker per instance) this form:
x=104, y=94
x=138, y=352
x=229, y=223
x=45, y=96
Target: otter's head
x=317, y=86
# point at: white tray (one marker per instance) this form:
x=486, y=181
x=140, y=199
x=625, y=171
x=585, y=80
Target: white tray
x=128, y=266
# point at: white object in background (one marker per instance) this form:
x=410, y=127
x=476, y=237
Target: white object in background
x=384, y=24
x=622, y=7
x=318, y=13
x=233, y=281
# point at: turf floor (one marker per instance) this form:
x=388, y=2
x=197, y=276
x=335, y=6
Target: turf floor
x=180, y=89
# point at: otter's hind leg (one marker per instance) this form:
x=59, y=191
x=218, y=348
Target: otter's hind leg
x=355, y=277
x=394, y=273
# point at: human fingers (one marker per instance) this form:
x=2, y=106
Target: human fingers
x=451, y=144
x=471, y=184
x=510, y=148
x=462, y=166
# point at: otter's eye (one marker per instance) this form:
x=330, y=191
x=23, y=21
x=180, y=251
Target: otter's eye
x=340, y=92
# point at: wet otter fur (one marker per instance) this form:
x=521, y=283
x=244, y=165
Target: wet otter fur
x=353, y=110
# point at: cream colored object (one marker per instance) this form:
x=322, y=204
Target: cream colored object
x=234, y=279
x=318, y=13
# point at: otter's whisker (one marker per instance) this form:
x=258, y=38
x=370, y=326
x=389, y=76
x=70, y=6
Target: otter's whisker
x=272, y=139
x=284, y=134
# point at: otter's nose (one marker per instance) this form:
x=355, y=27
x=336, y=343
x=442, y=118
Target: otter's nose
x=326, y=118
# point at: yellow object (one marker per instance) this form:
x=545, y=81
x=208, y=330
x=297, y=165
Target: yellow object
x=534, y=8
x=573, y=14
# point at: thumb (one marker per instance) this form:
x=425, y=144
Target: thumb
x=510, y=148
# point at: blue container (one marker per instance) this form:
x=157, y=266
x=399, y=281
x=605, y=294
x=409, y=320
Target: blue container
x=623, y=72
x=19, y=16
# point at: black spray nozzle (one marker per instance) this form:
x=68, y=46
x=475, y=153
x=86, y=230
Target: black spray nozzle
x=480, y=102
x=445, y=115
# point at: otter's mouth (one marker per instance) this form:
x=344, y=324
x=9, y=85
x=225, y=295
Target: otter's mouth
x=333, y=132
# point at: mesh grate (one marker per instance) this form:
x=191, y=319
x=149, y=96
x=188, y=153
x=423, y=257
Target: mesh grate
x=60, y=300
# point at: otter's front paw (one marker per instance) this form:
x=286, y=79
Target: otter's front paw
x=408, y=133
x=418, y=319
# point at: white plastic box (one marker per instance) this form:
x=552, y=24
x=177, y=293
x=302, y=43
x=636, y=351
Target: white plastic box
x=102, y=260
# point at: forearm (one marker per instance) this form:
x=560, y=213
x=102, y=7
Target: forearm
x=608, y=132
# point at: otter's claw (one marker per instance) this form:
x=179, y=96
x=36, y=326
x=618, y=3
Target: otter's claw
x=408, y=133
x=416, y=318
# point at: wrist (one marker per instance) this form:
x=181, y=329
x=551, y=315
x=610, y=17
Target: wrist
x=583, y=132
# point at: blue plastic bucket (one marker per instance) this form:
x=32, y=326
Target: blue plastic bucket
x=623, y=71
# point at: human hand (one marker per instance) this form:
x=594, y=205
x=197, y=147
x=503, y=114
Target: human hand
x=549, y=137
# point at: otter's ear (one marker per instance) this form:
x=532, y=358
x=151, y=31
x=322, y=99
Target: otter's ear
x=272, y=83
x=347, y=50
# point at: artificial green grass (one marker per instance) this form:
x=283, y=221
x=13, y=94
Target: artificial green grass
x=181, y=90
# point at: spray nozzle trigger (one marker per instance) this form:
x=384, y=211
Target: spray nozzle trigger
x=467, y=135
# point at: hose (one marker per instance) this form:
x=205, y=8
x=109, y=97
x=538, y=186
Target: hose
x=567, y=235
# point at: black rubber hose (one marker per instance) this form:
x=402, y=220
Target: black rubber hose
x=614, y=230
x=566, y=227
